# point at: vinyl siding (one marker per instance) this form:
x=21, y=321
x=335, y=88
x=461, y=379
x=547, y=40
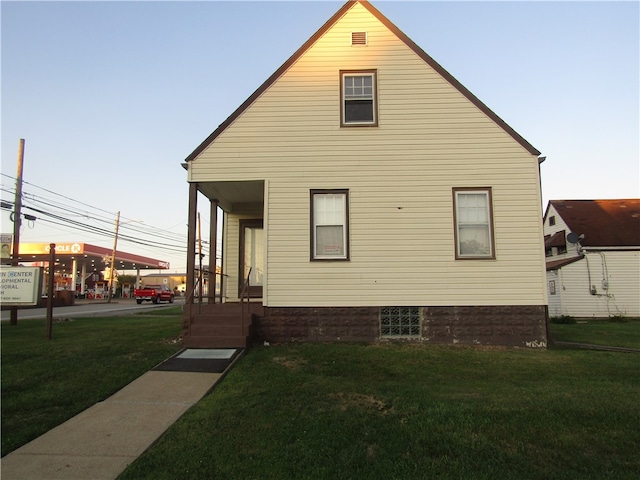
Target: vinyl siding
x=399, y=175
x=621, y=270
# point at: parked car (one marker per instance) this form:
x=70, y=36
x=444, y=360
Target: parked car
x=153, y=293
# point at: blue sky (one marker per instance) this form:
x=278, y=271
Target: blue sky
x=112, y=96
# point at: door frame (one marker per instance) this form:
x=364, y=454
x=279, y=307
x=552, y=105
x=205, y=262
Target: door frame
x=255, y=291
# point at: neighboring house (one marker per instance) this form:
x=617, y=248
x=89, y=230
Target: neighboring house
x=371, y=196
x=593, y=257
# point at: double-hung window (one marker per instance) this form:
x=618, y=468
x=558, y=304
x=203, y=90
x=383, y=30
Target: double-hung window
x=329, y=225
x=359, y=102
x=473, y=223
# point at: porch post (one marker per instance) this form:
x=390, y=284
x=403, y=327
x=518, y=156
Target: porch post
x=213, y=250
x=191, y=240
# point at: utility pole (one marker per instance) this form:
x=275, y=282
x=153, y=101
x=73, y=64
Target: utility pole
x=113, y=258
x=17, y=222
x=52, y=277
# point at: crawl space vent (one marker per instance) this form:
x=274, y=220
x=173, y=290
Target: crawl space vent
x=358, y=38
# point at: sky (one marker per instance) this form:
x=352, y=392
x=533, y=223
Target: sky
x=112, y=96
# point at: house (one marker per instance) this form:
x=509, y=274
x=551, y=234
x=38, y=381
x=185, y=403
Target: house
x=368, y=195
x=593, y=257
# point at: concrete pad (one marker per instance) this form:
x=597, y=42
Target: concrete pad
x=167, y=387
x=221, y=353
x=102, y=441
x=56, y=467
x=108, y=428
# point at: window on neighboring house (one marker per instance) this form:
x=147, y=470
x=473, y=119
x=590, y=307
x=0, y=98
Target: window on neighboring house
x=473, y=220
x=552, y=221
x=359, y=103
x=329, y=225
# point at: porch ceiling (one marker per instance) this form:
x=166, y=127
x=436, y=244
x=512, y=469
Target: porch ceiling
x=233, y=193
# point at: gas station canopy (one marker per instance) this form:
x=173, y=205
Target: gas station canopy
x=91, y=257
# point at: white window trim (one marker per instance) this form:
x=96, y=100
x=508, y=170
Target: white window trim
x=474, y=191
x=345, y=225
x=374, y=98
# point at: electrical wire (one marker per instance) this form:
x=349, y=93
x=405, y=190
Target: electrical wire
x=65, y=215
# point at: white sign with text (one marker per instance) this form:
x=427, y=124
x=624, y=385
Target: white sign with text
x=19, y=285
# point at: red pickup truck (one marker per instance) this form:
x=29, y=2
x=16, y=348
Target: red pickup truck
x=153, y=293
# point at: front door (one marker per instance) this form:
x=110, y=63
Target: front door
x=251, y=256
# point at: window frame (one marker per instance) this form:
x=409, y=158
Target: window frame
x=487, y=191
x=373, y=73
x=314, y=257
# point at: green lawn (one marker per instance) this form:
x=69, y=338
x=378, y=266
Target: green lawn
x=313, y=411
x=309, y=411
x=599, y=332
x=45, y=382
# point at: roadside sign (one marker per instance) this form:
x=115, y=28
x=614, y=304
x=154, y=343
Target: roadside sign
x=6, y=240
x=20, y=285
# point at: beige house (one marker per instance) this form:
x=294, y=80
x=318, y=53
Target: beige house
x=368, y=195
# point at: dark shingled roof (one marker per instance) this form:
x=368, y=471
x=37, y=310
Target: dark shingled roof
x=556, y=264
x=604, y=223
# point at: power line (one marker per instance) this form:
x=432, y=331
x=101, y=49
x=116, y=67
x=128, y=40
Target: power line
x=35, y=202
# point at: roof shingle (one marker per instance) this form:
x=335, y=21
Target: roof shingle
x=604, y=223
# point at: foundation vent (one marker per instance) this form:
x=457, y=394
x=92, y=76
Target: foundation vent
x=358, y=38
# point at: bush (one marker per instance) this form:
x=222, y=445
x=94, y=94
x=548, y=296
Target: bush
x=617, y=318
x=563, y=319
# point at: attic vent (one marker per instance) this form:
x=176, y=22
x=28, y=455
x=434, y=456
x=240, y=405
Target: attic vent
x=358, y=38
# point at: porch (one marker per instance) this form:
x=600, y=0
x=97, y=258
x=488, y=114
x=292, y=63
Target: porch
x=222, y=315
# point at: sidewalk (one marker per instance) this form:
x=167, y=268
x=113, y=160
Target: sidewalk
x=102, y=441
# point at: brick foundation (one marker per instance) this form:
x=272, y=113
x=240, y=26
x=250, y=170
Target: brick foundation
x=511, y=325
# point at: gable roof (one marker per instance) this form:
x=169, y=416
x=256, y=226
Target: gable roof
x=424, y=56
x=604, y=223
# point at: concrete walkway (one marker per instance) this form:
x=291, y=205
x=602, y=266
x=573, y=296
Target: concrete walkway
x=102, y=441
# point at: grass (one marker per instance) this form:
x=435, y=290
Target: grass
x=308, y=411
x=45, y=382
x=599, y=332
x=313, y=411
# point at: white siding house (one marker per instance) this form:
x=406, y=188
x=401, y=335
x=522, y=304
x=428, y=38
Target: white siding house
x=387, y=200
x=593, y=257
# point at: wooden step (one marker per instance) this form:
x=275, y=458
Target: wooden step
x=220, y=318
x=206, y=330
x=218, y=326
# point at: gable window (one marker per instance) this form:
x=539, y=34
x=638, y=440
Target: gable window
x=329, y=225
x=358, y=94
x=473, y=220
